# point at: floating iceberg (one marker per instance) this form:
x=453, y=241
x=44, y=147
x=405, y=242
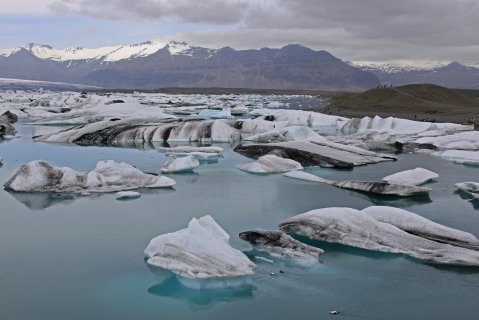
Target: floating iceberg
x=422, y=227
x=461, y=156
x=125, y=195
x=271, y=164
x=357, y=229
x=189, y=149
x=412, y=177
x=108, y=176
x=200, y=251
x=468, y=140
x=224, y=113
x=279, y=244
x=397, y=126
x=471, y=188
x=285, y=134
x=7, y=119
x=182, y=164
x=309, y=153
x=377, y=187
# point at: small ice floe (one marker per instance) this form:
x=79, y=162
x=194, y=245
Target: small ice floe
x=183, y=164
x=200, y=252
x=201, y=156
x=224, y=113
x=412, y=177
x=309, y=153
x=360, y=229
x=127, y=195
x=471, y=188
x=271, y=164
x=461, y=156
x=376, y=187
x=108, y=176
x=189, y=149
x=279, y=244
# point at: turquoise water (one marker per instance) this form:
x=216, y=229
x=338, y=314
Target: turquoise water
x=67, y=257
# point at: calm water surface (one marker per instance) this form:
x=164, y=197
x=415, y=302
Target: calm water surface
x=68, y=257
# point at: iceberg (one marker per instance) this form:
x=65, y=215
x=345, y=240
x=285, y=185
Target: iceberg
x=7, y=119
x=201, y=251
x=412, y=177
x=271, y=164
x=357, y=229
x=224, y=113
x=182, y=164
x=415, y=224
x=461, y=156
x=471, y=188
x=126, y=195
x=467, y=140
x=108, y=176
x=201, y=156
x=377, y=187
x=189, y=149
x=309, y=153
x=279, y=244
x=285, y=134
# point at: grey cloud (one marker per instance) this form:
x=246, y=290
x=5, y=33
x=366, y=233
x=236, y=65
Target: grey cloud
x=350, y=29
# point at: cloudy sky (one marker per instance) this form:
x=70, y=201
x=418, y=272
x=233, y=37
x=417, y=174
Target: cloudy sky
x=357, y=30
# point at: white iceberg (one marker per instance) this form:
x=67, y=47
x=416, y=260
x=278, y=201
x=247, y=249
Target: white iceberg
x=422, y=227
x=279, y=244
x=471, y=188
x=125, y=195
x=200, y=251
x=201, y=156
x=461, y=156
x=108, y=176
x=412, y=177
x=357, y=229
x=271, y=164
x=285, y=134
x=377, y=187
x=224, y=113
x=467, y=140
x=189, y=149
x=182, y=164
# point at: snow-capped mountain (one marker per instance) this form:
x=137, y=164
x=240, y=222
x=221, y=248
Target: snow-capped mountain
x=104, y=54
x=154, y=64
x=449, y=74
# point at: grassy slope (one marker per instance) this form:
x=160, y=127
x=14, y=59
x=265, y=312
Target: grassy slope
x=417, y=101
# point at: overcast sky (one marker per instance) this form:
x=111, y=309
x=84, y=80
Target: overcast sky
x=367, y=30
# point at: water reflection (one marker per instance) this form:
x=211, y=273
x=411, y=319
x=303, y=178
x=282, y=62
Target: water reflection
x=391, y=200
x=37, y=201
x=468, y=197
x=197, y=299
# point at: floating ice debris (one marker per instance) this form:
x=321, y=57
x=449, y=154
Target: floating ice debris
x=108, y=176
x=422, y=227
x=377, y=187
x=471, y=188
x=461, y=156
x=201, y=156
x=271, y=164
x=333, y=312
x=279, y=244
x=201, y=251
x=124, y=195
x=264, y=259
x=355, y=228
x=7, y=119
x=182, y=164
x=412, y=177
x=188, y=149
x=308, y=153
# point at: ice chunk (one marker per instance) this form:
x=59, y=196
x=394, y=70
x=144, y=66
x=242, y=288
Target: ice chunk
x=279, y=244
x=471, y=188
x=308, y=153
x=286, y=134
x=355, y=228
x=108, y=176
x=271, y=164
x=468, y=140
x=124, y=195
x=224, y=113
x=377, y=187
x=461, y=156
x=200, y=251
x=412, y=177
x=183, y=164
x=188, y=149
x=422, y=227
x=201, y=156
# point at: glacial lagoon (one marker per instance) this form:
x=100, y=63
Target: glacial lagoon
x=81, y=257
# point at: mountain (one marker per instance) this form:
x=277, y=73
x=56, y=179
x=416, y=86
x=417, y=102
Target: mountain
x=152, y=65
x=451, y=75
